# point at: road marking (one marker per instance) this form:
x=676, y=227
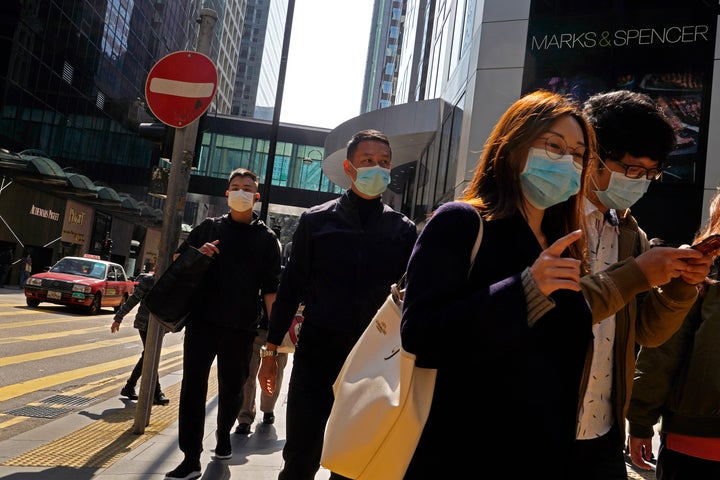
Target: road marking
x=113, y=383
x=50, y=335
x=19, y=312
x=55, y=352
x=15, y=390
x=32, y=323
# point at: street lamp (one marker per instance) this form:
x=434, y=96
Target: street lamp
x=308, y=160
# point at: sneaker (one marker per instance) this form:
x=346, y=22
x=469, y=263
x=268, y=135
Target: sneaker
x=269, y=418
x=129, y=392
x=160, y=399
x=223, y=449
x=243, y=429
x=185, y=471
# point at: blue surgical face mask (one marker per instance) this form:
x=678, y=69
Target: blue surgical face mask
x=546, y=182
x=622, y=192
x=372, y=181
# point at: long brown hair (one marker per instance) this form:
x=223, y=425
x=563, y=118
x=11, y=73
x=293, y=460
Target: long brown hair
x=495, y=187
x=712, y=225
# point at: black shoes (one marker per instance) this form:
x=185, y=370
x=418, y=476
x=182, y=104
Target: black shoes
x=185, y=471
x=242, y=429
x=160, y=399
x=223, y=449
x=129, y=392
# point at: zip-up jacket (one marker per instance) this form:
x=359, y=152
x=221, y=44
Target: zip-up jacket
x=643, y=314
x=341, y=269
x=680, y=380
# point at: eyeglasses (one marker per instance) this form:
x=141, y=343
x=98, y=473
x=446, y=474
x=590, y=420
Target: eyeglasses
x=637, y=171
x=556, y=147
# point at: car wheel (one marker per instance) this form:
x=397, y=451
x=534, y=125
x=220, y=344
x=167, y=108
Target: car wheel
x=32, y=302
x=125, y=297
x=94, y=307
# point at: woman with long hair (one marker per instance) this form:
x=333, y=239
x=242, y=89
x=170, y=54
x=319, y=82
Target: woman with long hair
x=515, y=326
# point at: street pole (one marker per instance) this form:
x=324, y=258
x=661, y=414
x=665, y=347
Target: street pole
x=181, y=164
x=265, y=197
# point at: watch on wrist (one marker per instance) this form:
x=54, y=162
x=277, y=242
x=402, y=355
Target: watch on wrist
x=264, y=352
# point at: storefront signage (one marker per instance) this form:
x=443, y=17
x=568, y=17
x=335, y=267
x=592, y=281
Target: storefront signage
x=44, y=213
x=77, y=223
x=622, y=37
x=76, y=217
x=663, y=49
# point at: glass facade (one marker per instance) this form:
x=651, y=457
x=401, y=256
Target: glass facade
x=73, y=77
x=295, y=166
x=72, y=84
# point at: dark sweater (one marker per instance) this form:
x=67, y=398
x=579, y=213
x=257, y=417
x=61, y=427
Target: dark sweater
x=475, y=332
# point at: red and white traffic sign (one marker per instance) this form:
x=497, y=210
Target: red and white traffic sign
x=180, y=87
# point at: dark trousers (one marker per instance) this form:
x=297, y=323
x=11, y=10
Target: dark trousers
x=317, y=361
x=203, y=343
x=672, y=465
x=601, y=458
x=137, y=371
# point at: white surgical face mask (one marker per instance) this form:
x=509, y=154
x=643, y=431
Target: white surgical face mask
x=240, y=200
x=622, y=192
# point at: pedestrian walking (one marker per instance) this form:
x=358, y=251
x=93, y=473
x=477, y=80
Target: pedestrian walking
x=346, y=254
x=142, y=319
x=222, y=322
x=517, y=326
x=678, y=382
x=636, y=293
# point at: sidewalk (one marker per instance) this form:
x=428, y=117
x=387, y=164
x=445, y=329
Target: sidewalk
x=97, y=443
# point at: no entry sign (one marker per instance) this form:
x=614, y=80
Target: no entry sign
x=180, y=87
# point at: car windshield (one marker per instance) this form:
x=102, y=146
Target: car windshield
x=77, y=266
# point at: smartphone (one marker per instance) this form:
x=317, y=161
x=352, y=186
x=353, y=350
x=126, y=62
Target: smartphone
x=710, y=245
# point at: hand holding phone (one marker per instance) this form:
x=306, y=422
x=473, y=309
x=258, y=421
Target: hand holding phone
x=709, y=245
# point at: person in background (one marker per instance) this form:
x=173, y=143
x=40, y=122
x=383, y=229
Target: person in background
x=517, y=325
x=346, y=254
x=222, y=323
x=142, y=318
x=26, y=268
x=679, y=381
x=246, y=417
x=6, y=259
x=636, y=294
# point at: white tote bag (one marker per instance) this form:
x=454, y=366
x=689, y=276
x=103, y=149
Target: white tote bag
x=382, y=400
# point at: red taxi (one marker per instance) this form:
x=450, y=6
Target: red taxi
x=83, y=282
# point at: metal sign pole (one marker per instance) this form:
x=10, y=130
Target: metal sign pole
x=180, y=167
x=265, y=198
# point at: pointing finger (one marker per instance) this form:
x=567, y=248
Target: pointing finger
x=562, y=243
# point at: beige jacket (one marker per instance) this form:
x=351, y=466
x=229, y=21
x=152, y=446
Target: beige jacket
x=648, y=316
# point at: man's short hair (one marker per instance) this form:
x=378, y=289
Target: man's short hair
x=242, y=172
x=363, y=135
x=629, y=122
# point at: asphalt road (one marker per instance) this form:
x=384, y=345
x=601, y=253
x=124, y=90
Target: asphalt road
x=54, y=360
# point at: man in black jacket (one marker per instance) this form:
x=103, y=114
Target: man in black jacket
x=346, y=255
x=222, y=321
